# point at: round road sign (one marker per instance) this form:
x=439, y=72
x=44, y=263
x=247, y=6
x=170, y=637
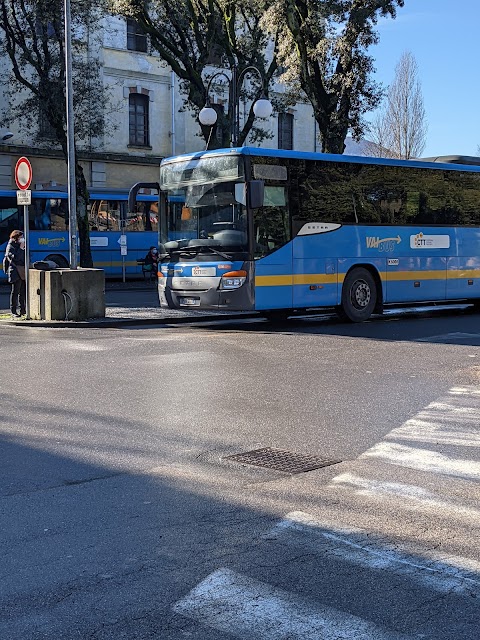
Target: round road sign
x=23, y=173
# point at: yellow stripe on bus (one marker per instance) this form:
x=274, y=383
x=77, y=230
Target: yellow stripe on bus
x=463, y=273
x=273, y=281
x=415, y=275
x=322, y=278
x=315, y=278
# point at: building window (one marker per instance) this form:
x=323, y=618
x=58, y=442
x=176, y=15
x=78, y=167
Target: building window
x=43, y=29
x=285, y=130
x=138, y=120
x=136, y=37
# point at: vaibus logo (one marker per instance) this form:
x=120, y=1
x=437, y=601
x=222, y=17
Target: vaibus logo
x=382, y=244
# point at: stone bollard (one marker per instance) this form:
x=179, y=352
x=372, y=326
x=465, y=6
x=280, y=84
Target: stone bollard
x=66, y=294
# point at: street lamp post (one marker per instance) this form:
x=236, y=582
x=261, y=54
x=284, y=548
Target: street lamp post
x=72, y=188
x=262, y=107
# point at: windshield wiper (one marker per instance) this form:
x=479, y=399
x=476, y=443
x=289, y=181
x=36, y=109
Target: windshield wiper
x=198, y=249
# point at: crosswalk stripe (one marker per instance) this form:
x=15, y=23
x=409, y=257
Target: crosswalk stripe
x=451, y=420
x=246, y=608
x=424, y=460
x=411, y=495
x=354, y=546
x=243, y=607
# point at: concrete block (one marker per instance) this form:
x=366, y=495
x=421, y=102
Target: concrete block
x=66, y=294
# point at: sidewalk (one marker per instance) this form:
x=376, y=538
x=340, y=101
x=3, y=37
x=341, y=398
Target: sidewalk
x=131, y=303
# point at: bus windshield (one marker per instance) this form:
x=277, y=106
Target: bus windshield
x=206, y=205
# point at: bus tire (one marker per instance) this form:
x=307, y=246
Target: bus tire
x=59, y=260
x=359, y=295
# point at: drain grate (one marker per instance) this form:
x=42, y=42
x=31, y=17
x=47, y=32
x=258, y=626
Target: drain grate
x=284, y=461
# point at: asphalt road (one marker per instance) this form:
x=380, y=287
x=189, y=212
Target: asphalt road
x=121, y=516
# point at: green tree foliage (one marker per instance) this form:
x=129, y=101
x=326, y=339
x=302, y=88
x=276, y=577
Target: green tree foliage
x=195, y=36
x=33, y=43
x=324, y=47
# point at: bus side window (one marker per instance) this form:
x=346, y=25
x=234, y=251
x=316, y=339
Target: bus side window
x=144, y=218
x=9, y=218
x=104, y=215
x=58, y=214
x=324, y=191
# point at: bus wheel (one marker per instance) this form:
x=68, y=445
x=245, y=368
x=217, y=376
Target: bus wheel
x=59, y=260
x=359, y=295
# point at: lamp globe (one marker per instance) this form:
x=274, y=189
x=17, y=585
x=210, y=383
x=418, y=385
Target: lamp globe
x=263, y=108
x=207, y=116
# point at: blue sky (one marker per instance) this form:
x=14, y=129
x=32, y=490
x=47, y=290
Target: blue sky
x=444, y=37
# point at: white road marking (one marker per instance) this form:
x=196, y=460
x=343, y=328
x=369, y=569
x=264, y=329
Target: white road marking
x=355, y=547
x=246, y=608
x=240, y=606
x=414, y=494
x=424, y=460
x=437, y=432
x=84, y=346
x=449, y=337
x=452, y=420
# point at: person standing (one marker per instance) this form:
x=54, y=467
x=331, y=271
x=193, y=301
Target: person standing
x=14, y=262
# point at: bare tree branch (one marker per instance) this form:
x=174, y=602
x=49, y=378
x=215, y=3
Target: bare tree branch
x=33, y=44
x=401, y=127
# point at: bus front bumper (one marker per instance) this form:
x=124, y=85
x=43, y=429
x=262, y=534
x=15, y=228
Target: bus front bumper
x=203, y=293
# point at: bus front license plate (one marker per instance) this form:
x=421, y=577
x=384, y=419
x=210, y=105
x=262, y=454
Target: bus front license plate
x=203, y=271
x=189, y=302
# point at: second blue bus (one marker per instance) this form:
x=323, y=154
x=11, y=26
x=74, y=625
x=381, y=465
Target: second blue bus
x=108, y=217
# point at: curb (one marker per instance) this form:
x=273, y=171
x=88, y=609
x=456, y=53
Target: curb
x=112, y=323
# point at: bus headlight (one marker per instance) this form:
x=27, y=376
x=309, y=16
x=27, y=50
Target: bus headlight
x=233, y=279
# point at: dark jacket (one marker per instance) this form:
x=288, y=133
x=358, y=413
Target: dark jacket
x=151, y=259
x=15, y=256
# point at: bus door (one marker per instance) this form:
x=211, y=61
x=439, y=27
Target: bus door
x=463, y=270
x=273, y=252
x=316, y=274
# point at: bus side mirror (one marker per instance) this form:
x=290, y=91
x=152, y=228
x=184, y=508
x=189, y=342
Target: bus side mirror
x=255, y=193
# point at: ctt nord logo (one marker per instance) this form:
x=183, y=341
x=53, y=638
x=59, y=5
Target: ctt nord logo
x=382, y=244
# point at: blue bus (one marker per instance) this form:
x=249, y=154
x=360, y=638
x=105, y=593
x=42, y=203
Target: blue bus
x=281, y=232
x=109, y=217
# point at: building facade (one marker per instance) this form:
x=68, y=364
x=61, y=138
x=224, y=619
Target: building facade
x=145, y=119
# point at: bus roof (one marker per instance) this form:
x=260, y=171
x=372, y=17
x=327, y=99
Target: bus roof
x=452, y=163
x=466, y=160
x=95, y=194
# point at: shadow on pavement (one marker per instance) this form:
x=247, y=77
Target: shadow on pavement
x=104, y=539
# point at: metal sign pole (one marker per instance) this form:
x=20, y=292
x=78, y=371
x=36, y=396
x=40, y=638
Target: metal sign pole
x=27, y=258
x=122, y=241
x=72, y=188
x=23, y=179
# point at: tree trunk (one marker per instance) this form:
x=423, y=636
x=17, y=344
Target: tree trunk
x=82, y=217
x=333, y=135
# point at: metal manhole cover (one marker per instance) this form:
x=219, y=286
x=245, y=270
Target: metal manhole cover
x=278, y=460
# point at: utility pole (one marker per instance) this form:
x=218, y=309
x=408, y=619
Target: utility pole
x=72, y=189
